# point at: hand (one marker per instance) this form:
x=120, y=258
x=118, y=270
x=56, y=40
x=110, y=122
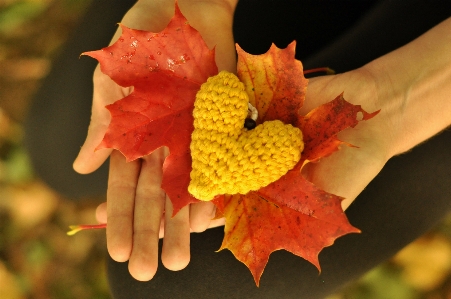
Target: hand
x=348, y=171
x=411, y=90
x=136, y=205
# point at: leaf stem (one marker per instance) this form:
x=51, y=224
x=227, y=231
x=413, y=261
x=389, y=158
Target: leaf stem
x=76, y=228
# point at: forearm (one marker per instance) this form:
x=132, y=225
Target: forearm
x=414, y=88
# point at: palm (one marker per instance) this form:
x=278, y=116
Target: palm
x=348, y=171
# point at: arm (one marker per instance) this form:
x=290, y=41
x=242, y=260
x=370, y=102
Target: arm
x=136, y=205
x=411, y=86
x=414, y=84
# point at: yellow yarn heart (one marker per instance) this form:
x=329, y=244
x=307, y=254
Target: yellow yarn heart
x=227, y=158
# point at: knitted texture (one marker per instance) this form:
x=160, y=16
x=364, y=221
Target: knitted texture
x=227, y=158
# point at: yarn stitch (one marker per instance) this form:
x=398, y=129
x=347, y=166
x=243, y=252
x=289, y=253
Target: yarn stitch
x=227, y=158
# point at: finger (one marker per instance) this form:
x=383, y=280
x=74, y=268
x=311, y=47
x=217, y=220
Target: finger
x=106, y=92
x=89, y=159
x=175, y=254
x=161, y=232
x=101, y=215
x=213, y=223
x=122, y=183
x=342, y=173
x=200, y=216
x=149, y=208
x=216, y=222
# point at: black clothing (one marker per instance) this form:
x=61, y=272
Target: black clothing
x=409, y=196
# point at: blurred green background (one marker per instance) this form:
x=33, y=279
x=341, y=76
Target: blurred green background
x=38, y=260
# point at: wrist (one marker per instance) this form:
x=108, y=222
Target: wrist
x=413, y=88
x=359, y=87
x=389, y=96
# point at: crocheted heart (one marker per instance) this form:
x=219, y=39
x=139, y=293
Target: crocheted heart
x=227, y=158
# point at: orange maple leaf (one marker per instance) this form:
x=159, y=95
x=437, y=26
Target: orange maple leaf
x=291, y=213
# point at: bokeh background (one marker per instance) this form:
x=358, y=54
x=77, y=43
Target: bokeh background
x=37, y=258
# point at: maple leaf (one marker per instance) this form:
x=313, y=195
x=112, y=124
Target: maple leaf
x=166, y=70
x=291, y=213
x=256, y=227
x=275, y=83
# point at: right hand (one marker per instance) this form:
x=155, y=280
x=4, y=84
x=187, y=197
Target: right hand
x=349, y=170
x=136, y=205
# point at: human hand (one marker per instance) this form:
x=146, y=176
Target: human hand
x=138, y=211
x=411, y=90
x=348, y=171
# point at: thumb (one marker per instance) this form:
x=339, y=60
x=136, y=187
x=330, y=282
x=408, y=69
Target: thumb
x=89, y=159
x=106, y=91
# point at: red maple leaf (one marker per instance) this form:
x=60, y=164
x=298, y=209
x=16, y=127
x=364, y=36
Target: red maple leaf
x=166, y=70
